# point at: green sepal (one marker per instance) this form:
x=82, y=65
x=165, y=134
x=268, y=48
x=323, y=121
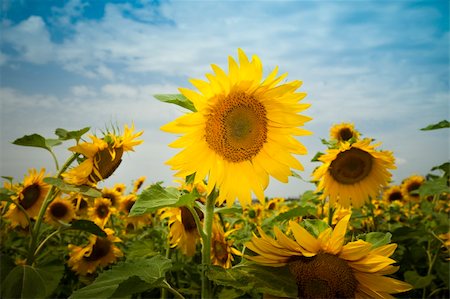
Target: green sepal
x=65, y=187
x=177, y=99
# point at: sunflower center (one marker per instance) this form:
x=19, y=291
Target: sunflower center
x=413, y=186
x=345, y=134
x=105, y=164
x=351, y=166
x=30, y=196
x=236, y=129
x=323, y=276
x=187, y=219
x=100, y=249
x=102, y=211
x=397, y=195
x=58, y=210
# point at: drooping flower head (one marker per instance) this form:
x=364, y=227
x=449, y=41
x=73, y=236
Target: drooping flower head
x=102, y=156
x=242, y=131
x=344, y=132
x=222, y=249
x=30, y=195
x=326, y=267
x=100, y=252
x=60, y=210
x=352, y=173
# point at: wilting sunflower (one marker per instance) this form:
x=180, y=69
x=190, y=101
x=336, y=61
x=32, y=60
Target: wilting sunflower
x=222, y=248
x=352, y=173
x=326, y=268
x=411, y=184
x=29, y=195
x=242, y=131
x=60, y=210
x=183, y=232
x=102, y=156
x=101, y=211
x=100, y=252
x=344, y=132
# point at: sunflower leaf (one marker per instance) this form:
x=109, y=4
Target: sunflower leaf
x=440, y=125
x=36, y=140
x=151, y=271
x=67, y=135
x=153, y=198
x=294, y=212
x=418, y=281
x=87, y=226
x=177, y=99
x=82, y=189
x=377, y=239
x=434, y=187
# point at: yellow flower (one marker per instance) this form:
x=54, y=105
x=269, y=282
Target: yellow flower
x=242, y=131
x=102, y=157
x=221, y=247
x=120, y=187
x=326, y=268
x=132, y=222
x=60, y=210
x=29, y=195
x=138, y=184
x=80, y=203
x=100, y=252
x=101, y=211
x=411, y=184
x=114, y=196
x=183, y=232
x=352, y=173
x=344, y=132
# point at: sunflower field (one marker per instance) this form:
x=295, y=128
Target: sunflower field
x=214, y=233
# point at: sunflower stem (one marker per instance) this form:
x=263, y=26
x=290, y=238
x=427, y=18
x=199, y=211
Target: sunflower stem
x=55, y=159
x=197, y=222
x=206, y=248
x=45, y=240
x=48, y=199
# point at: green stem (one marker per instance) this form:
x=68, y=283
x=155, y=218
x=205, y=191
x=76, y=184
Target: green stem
x=48, y=199
x=197, y=222
x=45, y=241
x=55, y=159
x=206, y=245
x=166, y=286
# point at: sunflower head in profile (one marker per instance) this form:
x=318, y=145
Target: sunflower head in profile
x=113, y=196
x=101, y=156
x=137, y=184
x=242, y=132
x=325, y=267
x=411, y=184
x=100, y=252
x=344, y=132
x=183, y=232
x=101, y=211
x=222, y=249
x=60, y=210
x=30, y=195
x=352, y=173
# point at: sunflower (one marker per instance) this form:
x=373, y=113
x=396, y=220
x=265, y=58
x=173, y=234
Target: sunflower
x=101, y=211
x=120, y=187
x=183, y=232
x=326, y=268
x=411, y=184
x=352, y=173
x=80, y=203
x=138, y=184
x=113, y=195
x=344, y=132
x=29, y=195
x=100, y=252
x=102, y=157
x=221, y=247
x=242, y=131
x=132, y=222
x=60, y=210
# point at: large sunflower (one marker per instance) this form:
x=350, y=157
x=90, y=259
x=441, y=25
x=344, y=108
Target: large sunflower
x=29, y=195
x=352, y=173
x=60, y=210
x=344, y=132
x=102, y=156
x=326, y=268
x=242, y=131
x=100, y=252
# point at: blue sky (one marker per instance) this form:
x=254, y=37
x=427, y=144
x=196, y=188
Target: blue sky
x=382, y=65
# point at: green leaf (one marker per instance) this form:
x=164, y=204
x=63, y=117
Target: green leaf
x=277, y=281
x=87, y=226
x=153, y=198
x=177, y=99
x=25, y=281
x=151, y=271
x=377, y=239
x=440, y=125
x=6, y=265
x=445, y=167
x=82, y=189
x=67, y=135
x=295, y=212
x=5, y=194
x=434, y=187
x=133, y=285
x=419, y=282
x=315, y=226
x=36, y=140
